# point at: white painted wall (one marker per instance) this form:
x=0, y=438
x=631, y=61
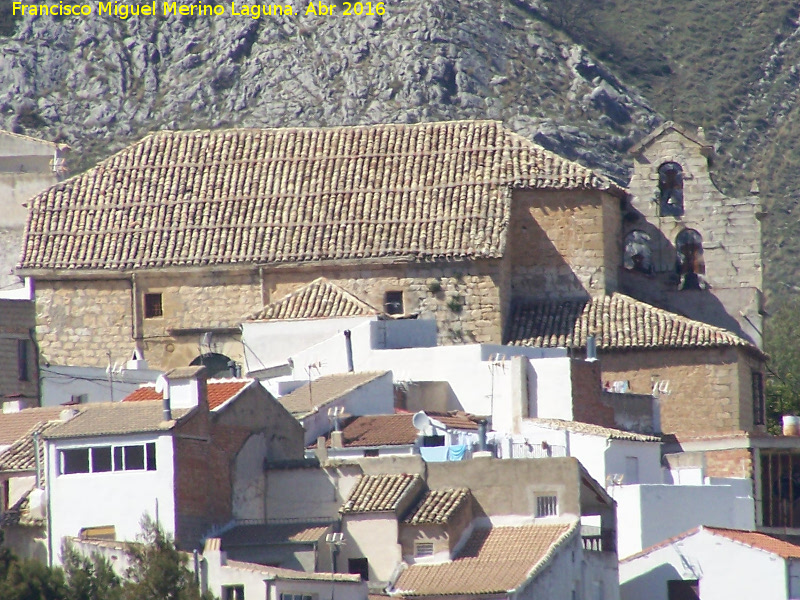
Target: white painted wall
x=324, y=492
x=117, y=498
x=373, y=536
x=60, y=383
x=724, y=568
x=650, y=514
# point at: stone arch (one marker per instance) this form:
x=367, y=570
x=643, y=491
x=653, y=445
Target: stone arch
x=670, y=189
x=217, y=365
x=637, y=252
x=690, y=263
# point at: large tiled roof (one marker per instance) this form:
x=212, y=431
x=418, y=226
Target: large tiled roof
x=619, y=322
x=16, y=424
x=493, y=561
x=437, y=506
x=117, y=418
x=754, y=539
x=380, y=493
x=21, y=456
x=394, y=430
x=316, y=300
x=430, y=190
x=219, y=391
x=591, y=429
x=264, y=534
x=325, y=389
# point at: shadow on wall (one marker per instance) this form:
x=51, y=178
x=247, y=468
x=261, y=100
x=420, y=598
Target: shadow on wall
x=652, y=584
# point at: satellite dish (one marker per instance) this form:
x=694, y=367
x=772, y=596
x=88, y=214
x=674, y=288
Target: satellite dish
x=421, y=422
x=162, y=386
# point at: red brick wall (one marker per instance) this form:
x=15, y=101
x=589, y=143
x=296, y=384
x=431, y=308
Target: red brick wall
x=729, y=463
x=587, y=405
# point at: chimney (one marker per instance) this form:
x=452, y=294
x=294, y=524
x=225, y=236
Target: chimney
x=482, y=435
x=162, y=387
x=591, y=348
x=187, y=386
x=337, y=439
x=348, y=346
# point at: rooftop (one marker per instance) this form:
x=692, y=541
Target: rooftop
x=319, y=392
x=316, y=300
x=270, y=196
x=21, y=456
x=219, y=391
x=591, y=429
x=117, y=418
x=264, y=534
x=492, y=561
x=438, y=506
x=14, y=425
x=381, y=493
x=619, y=323
x=395, y=430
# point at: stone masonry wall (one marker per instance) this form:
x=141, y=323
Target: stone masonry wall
x=704, y=387
x=78, y=322
x=17, y=320
x=562, y=244
x=737, y=462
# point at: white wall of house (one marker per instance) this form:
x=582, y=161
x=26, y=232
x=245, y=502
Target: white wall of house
x=375, y=397
x=725, y=569
x=373, y=536
x=650, y=514
x=318, y=588
x=60, y=384
x=119, y=498
x=324, y=492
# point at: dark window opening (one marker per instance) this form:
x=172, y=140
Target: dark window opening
x=690, y=264
x=152, y=306
x=101, y=459
x=670, y=189
x=22, y=360
x=358, y=566
x=758, y=398
x=637, y=255
x=393, y=303
x=151, y=456
x=432, y=441
x=371, y=452
x=134, y=458
x=216, y=364
x=780, y=489
x=234, y=592
x=679, y=589
x=546, y=506
x=75, y=461
x=119, y=464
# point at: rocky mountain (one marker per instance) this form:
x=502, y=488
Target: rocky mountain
x=585, y=78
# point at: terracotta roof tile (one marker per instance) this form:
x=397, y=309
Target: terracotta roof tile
x=316, y=300
x=378, y=493
x=394, y=430
x=591, y=429
x=492, y=561
x=15, y=425
x=114, y=418
x=219, y=391
x=264, y=534
x=618, y=322
x=429, y=190
x=437, y=506
x=321, y=391
x=20, y=456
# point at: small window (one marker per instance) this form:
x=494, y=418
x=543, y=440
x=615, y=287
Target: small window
x=101, y=459
x=670, y=189
x=22, y=360
x=637, y=252
x=119, y=464
x=393, y=303
x=236, y=592
x=106, y=532
x=679, y=589
x=546, y=506
x=151, y=456
x=152, y=306
x=298, y=597
x=75, y=461
x=631, y=469
x=758, y=397
x=423, y=549
x=432, y=441
x=134, y=458
x=358, y=566
x=371, y=453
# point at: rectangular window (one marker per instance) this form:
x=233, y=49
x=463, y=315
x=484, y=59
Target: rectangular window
x=22, y=360
x=75, y=461
x=546, y=506
x=631, y=470
x=758, y=398
x=298, y=597
x=393, y=303
x=152, y=306
x=101, y=459
x=358, y=566
x=119, y=464
x=235, y=592
x=151, y=456
x=679, y=589
x=371, y=452
x=423, y=549
x=134, y=458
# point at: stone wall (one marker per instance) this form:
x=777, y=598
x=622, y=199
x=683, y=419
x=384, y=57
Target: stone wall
x=17, y=319
x=705, y=387
x=730, y=228
x=563, y=244
x=737, y=462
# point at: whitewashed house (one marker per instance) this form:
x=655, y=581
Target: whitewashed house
x=713, y=564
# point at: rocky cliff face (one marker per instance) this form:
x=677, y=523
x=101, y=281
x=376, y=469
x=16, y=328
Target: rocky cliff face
x=99, y=83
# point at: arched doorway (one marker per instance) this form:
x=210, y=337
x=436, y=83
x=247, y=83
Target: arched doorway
x=216, y=364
